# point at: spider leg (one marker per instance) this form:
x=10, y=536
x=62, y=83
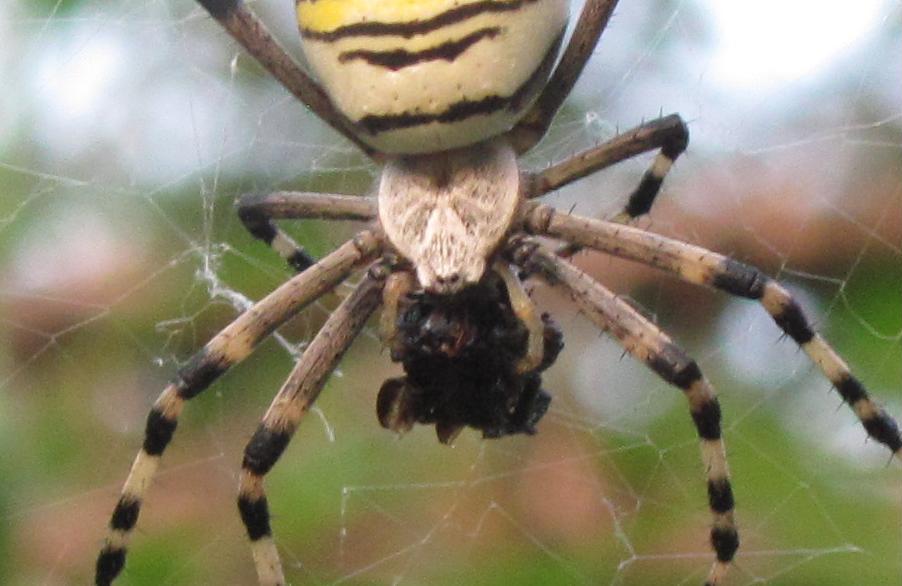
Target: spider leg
x=397, y=286
x=230, y=346
x=704, y=267
x=669, y=134
x=291, y=403
x=257, y=213
x=645, y=342
x=533, y=126
x=252, y=34
x=526, y=312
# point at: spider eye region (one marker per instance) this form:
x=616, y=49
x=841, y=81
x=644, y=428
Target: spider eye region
x=431, y=75
x=448, y=213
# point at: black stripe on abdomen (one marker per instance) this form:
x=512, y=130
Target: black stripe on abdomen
x=413, y=28
x=463, y=109
x=400, y=58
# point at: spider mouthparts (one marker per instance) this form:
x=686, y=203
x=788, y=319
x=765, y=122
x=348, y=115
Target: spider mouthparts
x=444, y=285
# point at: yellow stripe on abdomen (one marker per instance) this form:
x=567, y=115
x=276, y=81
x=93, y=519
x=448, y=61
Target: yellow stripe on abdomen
x=424, y=76
x=325, y=16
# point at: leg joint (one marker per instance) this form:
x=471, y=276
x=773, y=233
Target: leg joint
x=792, y=320
x=109, y=563
x=851, y=389
x=158, y=432
x=255, y=221
x=740, y=279
x=720, y=495
x=725, y=541
x=675, y=367
x=707, y=419
x=219, y=9
x=884, y=429
x=641, y=200
x=203, y=368
x=538, y=219
x=264, y=449
x=255, y=515
x=366, y=242
x=126, y=514
x=674, y=145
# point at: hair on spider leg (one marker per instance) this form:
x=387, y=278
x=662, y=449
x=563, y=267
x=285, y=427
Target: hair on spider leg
x=460, y=357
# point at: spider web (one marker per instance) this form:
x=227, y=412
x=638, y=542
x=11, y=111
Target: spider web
x=128, y=129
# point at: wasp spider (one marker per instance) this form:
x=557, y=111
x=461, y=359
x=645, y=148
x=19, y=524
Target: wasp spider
x=445, y=94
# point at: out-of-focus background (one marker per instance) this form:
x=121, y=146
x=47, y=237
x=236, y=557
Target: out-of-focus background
x=127, y=129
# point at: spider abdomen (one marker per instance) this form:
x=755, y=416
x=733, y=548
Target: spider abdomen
x=417, y=76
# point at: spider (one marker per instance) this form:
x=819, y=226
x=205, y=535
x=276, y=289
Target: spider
x=445, y=95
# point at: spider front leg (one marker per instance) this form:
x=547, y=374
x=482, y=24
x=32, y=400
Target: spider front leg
x=257, y=213
x=645, y=342
x=253, y=35
x=535, y=123
x=704, y=267
x=226, y=349
x=291, y=403
x=669, y=134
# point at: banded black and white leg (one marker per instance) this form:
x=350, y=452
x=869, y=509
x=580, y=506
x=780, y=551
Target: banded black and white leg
x=288, y=407
x=645, y=342
x=643, y=197
x=244, y=26
x=703, y=267
x=668, y=134
x=232, y=345
x=258, y=212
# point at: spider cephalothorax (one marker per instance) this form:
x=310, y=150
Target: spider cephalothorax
x=460, y=358
x=445, y=94
x=448, y=213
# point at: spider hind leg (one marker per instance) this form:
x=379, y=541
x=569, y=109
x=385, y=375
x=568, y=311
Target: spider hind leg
x=697, y=265
x=232, y=345
x=285, y=413
x=646, y=342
